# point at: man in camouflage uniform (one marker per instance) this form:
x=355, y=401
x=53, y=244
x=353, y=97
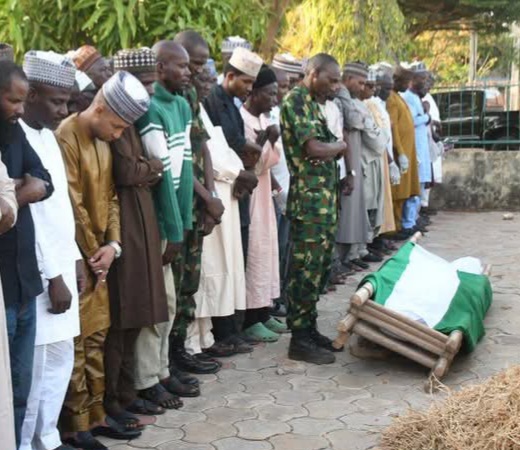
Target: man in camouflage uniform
x=207, y=211
x=311, y=151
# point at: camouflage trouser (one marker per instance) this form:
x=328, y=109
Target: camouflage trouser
x=186, y=270
x=309, y=271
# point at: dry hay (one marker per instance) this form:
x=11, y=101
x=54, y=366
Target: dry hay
x=480, y=417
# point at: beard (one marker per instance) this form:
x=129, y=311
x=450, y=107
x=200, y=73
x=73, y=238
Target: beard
x=6, y=131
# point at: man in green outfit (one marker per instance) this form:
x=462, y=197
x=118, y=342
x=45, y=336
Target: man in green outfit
x=207, y=212
x=311, y=150
x=165, y=135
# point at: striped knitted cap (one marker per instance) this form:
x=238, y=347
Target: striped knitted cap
x=358, y=68
x=126, y=96
x=288, y=63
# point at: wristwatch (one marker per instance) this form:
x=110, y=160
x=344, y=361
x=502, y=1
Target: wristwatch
x=115, y=245
x=214, y=194
x=351, y=172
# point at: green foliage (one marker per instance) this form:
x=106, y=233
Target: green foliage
x=484, y=15
x=110, y=25
x=369, y=30
x=447, y=54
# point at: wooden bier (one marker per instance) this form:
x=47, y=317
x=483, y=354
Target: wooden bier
x=400, y=334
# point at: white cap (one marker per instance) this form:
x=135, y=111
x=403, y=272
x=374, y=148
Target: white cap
x=246, y=61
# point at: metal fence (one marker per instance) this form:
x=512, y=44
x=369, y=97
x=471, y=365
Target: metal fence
x=483, y=115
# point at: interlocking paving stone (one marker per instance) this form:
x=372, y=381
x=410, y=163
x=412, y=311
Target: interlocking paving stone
x=280, y=412
x=258, y=429
x=154, y=436
x=330, y=409
x=352, y=440
x=294, y=397
x=229, y=415
x=298, y=441
x=206, y=432
x=314, y=427
x=179, y=445
x=241, y=444
x=245, y=400
x=178, y=418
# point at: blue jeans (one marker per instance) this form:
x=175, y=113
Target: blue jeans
x=21, y=329
x=410, y=212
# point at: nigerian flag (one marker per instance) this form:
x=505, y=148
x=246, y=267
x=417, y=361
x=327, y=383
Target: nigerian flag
x=446, y=296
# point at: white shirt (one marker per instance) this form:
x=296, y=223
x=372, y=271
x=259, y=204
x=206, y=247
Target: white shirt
x=434, y=109
x=55, y=231
x=280, y=170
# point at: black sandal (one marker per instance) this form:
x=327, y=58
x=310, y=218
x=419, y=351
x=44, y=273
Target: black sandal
x=128, y=420
x=144, y=407
x=85, y=441
x=115, y=430
x=160, y=396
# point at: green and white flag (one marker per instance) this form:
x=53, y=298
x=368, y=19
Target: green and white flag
x=424, y=287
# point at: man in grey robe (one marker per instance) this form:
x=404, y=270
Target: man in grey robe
x=362, y=136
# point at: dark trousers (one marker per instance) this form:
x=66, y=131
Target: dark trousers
x=284, y=251
x=21, y=329
x=224, y=327
x=119, y=369
x=186, y=271
x=256, y=315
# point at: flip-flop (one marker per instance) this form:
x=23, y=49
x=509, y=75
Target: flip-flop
x=276, y=325
x=159, y=395
x=115, y=430
x=261, y=333
x=128, y=420
x=85, y=441
x=144, y=407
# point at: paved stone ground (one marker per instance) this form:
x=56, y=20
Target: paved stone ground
x=264, y=401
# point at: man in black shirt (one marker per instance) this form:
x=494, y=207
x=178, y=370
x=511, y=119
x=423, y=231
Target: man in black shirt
x=21, y=279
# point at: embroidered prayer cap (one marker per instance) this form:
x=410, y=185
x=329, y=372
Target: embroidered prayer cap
x=49, y=68
x=265, y=77
x=372, y=75
x=126, y=96
x=85, y=56
x=246, y=61
x=6, y=52
x=210, y=65
x=137, y=60
x=358, y=68
x=84, y=82
x=288, y=63
x=418, y=67
x=230, y=43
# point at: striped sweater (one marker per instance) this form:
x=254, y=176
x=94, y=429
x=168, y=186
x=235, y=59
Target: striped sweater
x=165, y=134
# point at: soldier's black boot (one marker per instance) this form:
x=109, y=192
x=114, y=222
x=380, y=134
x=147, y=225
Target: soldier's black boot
x=323, y=341
x=303, y=348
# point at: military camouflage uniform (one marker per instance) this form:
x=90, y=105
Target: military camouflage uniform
x=187, y=265
x=311, y=207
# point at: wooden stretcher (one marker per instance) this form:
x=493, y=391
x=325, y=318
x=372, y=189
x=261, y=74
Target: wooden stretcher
x=400, y=334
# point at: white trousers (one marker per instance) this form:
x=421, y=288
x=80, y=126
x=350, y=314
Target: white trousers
x=199, y=335
x=153, y=344
x=52, y=368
